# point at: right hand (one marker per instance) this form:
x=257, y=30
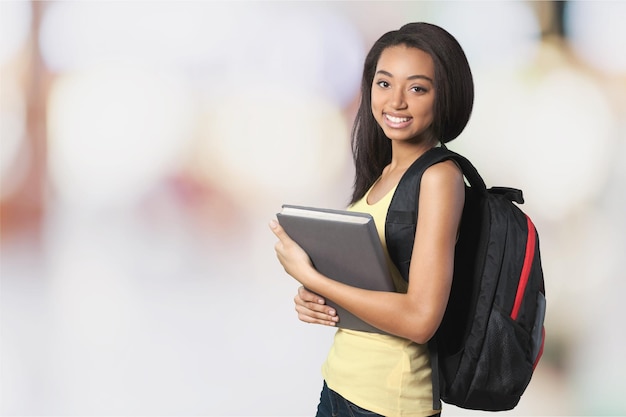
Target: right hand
x=312, y=308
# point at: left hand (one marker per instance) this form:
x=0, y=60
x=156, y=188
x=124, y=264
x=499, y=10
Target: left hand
x=312, y=308
x=291, y=256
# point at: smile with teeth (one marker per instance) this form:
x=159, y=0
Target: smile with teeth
x=397, y=120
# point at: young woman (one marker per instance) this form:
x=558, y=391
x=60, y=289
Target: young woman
x=417, y=92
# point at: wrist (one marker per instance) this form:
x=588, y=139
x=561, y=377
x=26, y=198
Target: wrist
x=312, y=279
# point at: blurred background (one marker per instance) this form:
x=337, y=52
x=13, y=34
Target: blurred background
x=145, y=146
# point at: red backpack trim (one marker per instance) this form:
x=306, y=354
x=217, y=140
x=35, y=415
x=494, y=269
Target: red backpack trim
x=528, y=262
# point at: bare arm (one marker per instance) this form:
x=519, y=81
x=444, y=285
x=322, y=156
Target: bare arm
x=417, y=314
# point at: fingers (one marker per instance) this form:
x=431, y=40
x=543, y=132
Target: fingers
x=311, y=308
x=310, y=316
x=307, y=295
x=278, y=230
x=284, y=241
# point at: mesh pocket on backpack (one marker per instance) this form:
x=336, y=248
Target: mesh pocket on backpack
x=501, y=375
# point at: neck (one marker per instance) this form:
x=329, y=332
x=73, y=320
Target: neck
x=403, y=154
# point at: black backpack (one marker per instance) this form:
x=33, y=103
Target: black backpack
x=491, y=337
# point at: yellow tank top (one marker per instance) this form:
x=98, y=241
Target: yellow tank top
x=385, y=374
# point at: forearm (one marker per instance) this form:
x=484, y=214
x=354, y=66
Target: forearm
x=415, y=315
x=394, y=313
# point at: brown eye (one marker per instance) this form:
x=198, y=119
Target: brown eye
x=418, y=89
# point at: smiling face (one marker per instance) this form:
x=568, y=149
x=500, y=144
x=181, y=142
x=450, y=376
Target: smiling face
x=403, y=93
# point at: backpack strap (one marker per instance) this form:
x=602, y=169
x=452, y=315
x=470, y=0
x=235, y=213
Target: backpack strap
x=478, y=184
x=401, y=222
x=469, y=171
x=442, y=153
x=401, y=217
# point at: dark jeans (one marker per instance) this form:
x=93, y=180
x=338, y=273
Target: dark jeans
x=334, y=405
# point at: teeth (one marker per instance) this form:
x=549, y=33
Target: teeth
x=397, y=119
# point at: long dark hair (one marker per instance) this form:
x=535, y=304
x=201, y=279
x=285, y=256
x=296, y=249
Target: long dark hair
x=454, y=99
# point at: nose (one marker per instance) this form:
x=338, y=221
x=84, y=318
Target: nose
x=398, y=100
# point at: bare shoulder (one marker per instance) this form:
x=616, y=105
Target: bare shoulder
x=442, y=193
x=446, y=175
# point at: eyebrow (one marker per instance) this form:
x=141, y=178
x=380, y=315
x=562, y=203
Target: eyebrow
x=412, y=77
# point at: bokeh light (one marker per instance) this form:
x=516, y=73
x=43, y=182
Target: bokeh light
x=557, y=124
x=301, y=44
x=15, y=25
x=598, y=33
x=274, y=141
x=15, y=21
x=79, y=35
x=539, y=118
x=15, y=155
x=114, y=132
x=493, y=34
